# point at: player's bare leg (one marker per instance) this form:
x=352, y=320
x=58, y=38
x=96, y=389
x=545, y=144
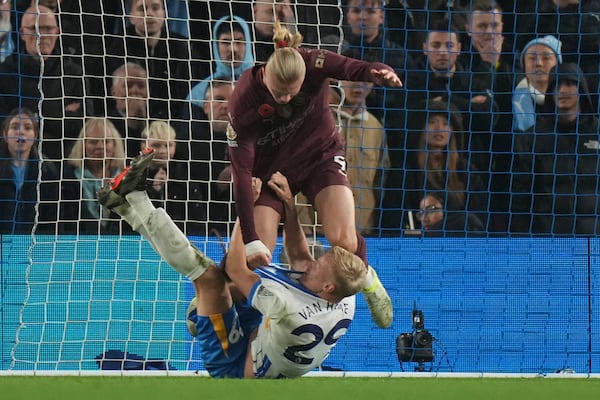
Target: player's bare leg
x=335, y=205
x=212, y=297
x=249, y=364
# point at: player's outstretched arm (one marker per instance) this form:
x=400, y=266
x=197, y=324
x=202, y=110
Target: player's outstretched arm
x=235, y=264
x=242, y=160
x=294, y=241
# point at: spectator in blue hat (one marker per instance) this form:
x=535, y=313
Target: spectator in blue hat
x=538, y=58
x=576, y=23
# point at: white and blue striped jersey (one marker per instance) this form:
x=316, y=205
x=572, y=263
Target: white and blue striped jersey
x=298, y=329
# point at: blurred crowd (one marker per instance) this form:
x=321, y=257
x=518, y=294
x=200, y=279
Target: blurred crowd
x=495, y=131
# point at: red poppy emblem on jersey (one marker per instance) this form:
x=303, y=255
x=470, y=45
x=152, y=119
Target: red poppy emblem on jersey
x=265, y=110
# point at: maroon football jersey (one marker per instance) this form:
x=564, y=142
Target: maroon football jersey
x=265, y=137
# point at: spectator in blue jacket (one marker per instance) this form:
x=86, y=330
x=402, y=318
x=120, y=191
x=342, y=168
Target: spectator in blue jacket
x=232, y=53
x=538, y=58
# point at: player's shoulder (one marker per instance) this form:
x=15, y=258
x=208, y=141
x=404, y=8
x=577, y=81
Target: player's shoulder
x=321, y=64
x=247, y=98
x=315, y=58
x=249, y=78
x=247, y=75
x=277, y=272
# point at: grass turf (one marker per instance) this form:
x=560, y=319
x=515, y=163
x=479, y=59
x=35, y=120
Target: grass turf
x=201, y=388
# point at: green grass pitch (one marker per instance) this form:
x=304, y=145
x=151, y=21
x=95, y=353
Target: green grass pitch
x=202, y=388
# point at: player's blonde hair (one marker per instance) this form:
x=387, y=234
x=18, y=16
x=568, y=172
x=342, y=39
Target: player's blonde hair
x=349, y=272
x=286, y=64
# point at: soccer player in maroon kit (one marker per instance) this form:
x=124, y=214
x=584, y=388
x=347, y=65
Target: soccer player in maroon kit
x=280, y=121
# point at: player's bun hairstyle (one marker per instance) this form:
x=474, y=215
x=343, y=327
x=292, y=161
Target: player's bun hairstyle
x=349, y=272
x=283, y=38
x=286, y=63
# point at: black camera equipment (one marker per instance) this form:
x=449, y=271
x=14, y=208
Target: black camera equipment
x=416, y=346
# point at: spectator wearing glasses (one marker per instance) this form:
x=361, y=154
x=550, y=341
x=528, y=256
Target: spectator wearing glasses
x=40, y=73
x=83, y=27
x=434, y=220
x=431, y=212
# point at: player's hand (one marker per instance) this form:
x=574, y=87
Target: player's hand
x=280, y=185
x=159, y=179
x=73, y=107
x=258, y=260
x=136, y=107
x=284, y=12
x=223, y=182
x=225, y=174
x=490, y=52
x=386, y=77
x=479, y=99
x=256, y=188
x=257, y=254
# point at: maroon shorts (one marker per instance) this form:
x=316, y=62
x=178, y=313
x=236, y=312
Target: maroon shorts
x=308, y=176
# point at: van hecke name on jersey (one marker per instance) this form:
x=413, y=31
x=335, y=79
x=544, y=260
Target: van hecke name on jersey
x=317, y=308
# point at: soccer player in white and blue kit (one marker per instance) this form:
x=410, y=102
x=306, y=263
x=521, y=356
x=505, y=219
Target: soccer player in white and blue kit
x=286, y=321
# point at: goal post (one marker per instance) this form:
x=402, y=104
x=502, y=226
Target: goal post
x=512, y=291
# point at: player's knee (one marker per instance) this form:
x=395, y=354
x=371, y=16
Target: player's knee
x=182, y=258
x=213, y=277
x=345, y=240
x=167, y=234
